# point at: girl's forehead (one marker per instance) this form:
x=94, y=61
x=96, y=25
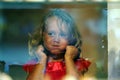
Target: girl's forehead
x=55, y=23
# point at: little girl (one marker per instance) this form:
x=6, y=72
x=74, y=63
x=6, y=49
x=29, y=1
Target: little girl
x=57, y=45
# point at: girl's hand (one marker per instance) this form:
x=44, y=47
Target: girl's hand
x=40, y=53
x=71, y=52
x=39, y=69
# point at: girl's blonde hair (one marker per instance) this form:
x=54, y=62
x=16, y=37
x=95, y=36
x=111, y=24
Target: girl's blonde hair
x=36, y=38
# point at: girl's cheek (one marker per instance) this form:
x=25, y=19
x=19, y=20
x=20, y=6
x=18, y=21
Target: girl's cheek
x=64, y=43
x=48, y=41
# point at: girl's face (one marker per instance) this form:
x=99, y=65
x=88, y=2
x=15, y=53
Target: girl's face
x=55, y=36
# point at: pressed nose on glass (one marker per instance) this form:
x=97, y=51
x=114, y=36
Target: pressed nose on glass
x=56, y=38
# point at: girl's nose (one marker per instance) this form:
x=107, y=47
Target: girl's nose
x=56, y=38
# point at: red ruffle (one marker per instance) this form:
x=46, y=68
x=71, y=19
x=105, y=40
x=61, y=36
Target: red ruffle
x=82, y=64
x=56, y=70
x=28, y=67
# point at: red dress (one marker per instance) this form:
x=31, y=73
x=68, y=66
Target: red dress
x=57, y=70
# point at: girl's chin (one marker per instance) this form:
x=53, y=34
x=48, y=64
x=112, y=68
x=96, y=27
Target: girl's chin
x=56, y=52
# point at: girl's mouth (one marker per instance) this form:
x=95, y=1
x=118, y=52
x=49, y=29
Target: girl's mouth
x=55, y=47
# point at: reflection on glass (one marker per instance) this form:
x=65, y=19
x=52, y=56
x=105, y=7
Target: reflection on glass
x=113, y=41
x=24, y=0
x=60, y=0
x=11, y=0
x=92, y=0
x=34, y=0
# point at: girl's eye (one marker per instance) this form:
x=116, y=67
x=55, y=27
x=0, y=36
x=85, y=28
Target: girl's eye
x=63, y=35
x=51, y=33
